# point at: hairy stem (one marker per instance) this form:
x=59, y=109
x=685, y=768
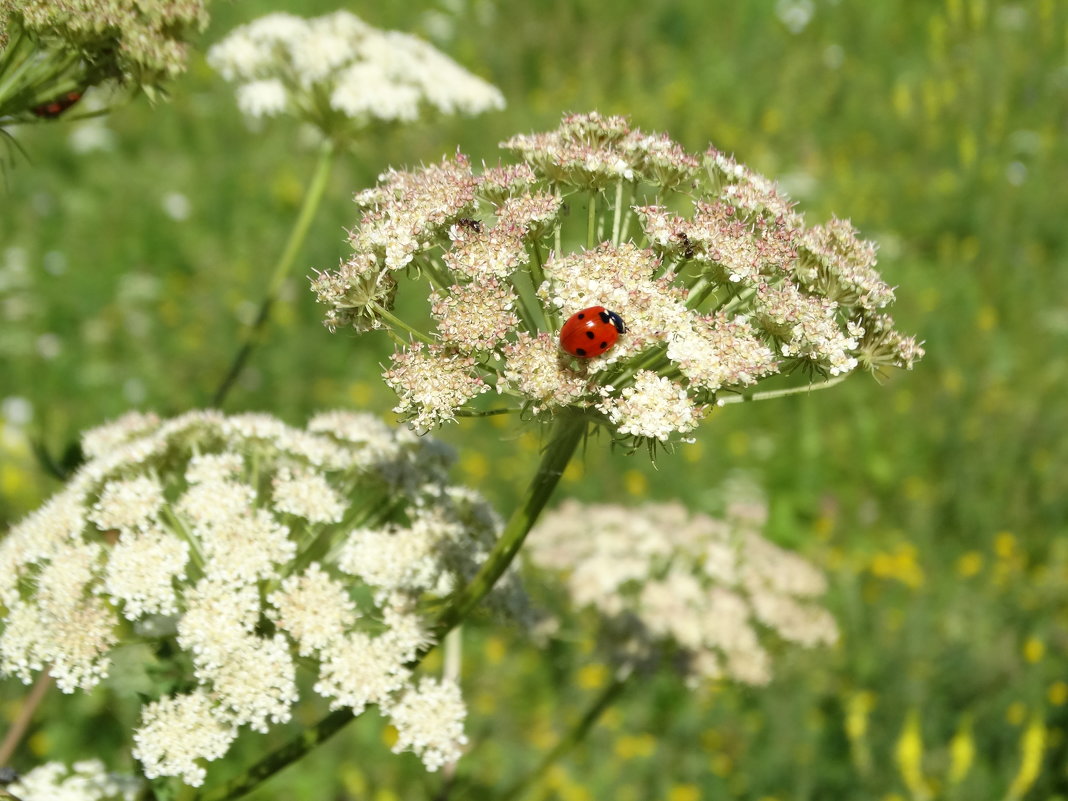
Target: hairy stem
x=297, y=235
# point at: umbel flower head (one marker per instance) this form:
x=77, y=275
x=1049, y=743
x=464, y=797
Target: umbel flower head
x=667, y=584
x=717, y=278
x=341, y=74
x=50, y=49
x=243, y=545
x=88, y=780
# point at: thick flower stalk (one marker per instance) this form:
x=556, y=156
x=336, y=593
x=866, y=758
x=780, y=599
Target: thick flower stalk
x=343, y=75
x=241, y=551
x=718, y=280
x=693, y=591
x=51, y=52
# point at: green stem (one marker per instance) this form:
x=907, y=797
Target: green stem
x=591, y=220
x=523, y=310
x=735, y=301
x=570, y=428
x=390, y=317
x=575, y=736
x=617, y=216
x=537, y=274
x=297, y=235
x=699, y=291
x=747, y=397
x=644, y=361
x=484, y=412
x=558, y=229
x=278, y=759
x=537, y=269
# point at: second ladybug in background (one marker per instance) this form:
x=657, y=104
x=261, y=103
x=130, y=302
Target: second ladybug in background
x=591, y=332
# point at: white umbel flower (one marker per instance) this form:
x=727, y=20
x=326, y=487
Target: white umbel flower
x=88, y=780
x=664, y=580
x=222, y=540
x=176, y=733
x=703, y=268
x=430, y=722
x=284, y=63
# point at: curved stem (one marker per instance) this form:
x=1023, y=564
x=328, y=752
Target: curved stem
x=312, y=198
x=575, y=736
x=569, y=430
x=18, y=728
x=746, y=397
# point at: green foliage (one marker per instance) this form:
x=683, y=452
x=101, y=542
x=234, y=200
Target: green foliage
x=937, y=501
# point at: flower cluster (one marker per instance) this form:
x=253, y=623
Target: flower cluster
x=341, y=74
x=244, y=545
x=83, y=781
x=665, y=581
x=50, y=51
x=719, y=282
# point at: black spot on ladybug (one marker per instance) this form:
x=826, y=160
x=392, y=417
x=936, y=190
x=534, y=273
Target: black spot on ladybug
x=581, y=316
x=589, y=335
x=580, y=351
x=604, y=345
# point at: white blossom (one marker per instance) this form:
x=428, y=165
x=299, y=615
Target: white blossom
x=222, y=538
x=662, y=578
x=717, y=280
x=87, y=780
x=429, y=720
x=285, y=63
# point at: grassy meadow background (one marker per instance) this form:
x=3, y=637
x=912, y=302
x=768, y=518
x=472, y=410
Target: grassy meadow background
x=937, y=502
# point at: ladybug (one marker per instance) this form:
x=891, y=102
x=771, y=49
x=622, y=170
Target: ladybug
x=56, y=107
x=591, y=332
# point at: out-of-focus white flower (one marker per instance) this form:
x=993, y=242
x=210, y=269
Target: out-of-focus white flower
x=341, y=74
x=671, y=584
x=327, y=537
x=88, y=780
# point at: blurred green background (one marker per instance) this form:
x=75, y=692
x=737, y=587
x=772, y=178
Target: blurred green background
x=132, y=249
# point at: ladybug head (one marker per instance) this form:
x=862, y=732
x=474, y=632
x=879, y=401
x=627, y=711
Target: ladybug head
x=615, y=320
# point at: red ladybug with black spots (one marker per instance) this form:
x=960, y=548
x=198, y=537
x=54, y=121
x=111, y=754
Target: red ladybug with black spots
x=591, y=332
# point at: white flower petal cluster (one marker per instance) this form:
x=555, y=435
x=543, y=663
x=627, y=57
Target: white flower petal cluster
x=429, y=720
x=88, y=780
x=668, y=583
x=336, y=70
x=717, y=279
x=249, y=545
